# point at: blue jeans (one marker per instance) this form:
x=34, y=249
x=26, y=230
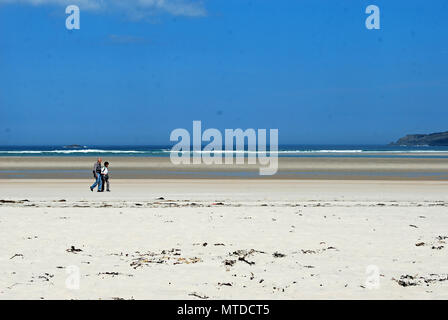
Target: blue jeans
x=98, y=182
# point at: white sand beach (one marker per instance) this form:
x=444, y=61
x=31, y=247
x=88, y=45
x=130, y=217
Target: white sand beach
x=224, y=239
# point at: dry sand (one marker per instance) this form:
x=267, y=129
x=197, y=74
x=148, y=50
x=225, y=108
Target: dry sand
x=227, y=239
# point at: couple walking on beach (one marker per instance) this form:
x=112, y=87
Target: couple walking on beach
x=101, y=176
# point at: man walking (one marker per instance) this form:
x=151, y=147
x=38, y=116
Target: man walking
x=97, y=175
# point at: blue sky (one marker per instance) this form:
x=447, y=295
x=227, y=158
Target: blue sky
x=133, y=73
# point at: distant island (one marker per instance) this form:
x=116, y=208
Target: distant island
x=73, y=146
x=432, y=139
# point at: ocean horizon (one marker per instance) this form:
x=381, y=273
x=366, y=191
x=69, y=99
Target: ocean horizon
x=318, y=150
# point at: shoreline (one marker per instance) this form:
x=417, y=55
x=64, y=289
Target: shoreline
x=320, y=168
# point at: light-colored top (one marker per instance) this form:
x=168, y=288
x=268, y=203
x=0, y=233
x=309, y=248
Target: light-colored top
x=104, y=170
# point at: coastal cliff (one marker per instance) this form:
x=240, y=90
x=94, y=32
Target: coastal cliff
x=432, y=139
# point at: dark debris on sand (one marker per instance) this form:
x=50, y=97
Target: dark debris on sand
x=278, y=255
x=438, y=244
x=243, y=255
x=172, y=256
x=74, y=250
x=13, y=201
x=409, y=280
x=197, y=295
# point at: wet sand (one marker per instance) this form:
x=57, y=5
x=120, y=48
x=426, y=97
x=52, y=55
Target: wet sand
x=334, y=168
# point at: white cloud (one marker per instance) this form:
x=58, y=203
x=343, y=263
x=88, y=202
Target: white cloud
x=137, y=9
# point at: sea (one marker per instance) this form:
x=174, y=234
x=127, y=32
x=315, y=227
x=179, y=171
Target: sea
x=373, y=151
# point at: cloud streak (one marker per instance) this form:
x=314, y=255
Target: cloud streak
x=126, y=39
x=136, y=9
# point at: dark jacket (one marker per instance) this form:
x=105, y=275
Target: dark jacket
x=96, y=168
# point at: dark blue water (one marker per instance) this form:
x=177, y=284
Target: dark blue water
x=283, y=151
